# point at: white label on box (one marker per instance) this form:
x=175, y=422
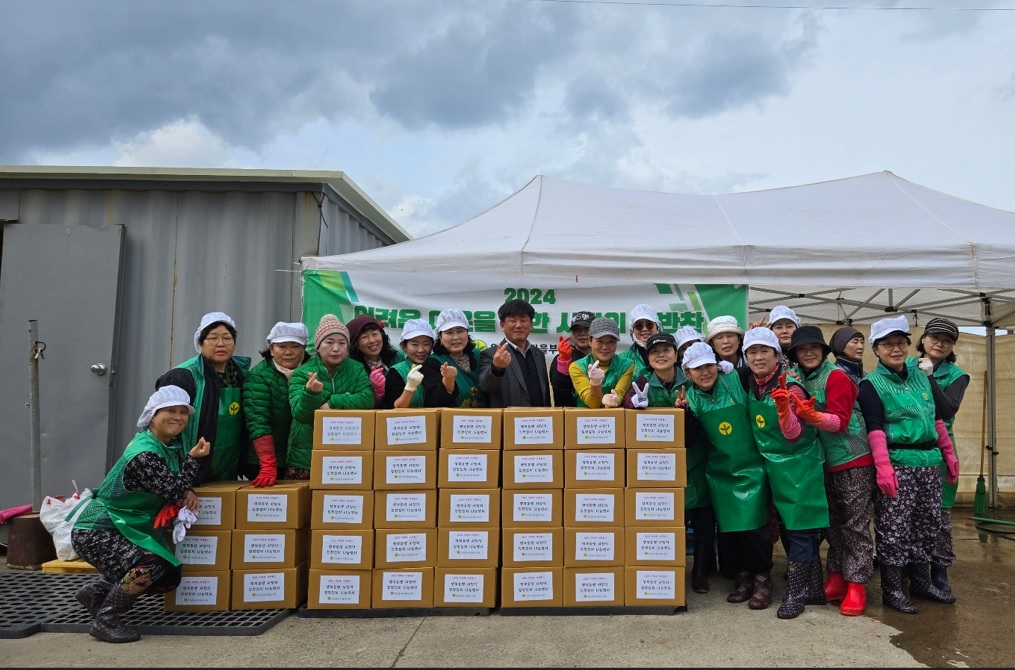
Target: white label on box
x=405, y=547
x=594, y=587
x=598, y=507
x=197, y=549
x=595, y=546
x=467, y=467
x=197, y=591
x=405, y=469
x=533, y=586
x=267, y=507
x=264, y=547
x=463, y=588
x=533, y=430
x=402, y=586
x=209, y=511
x=472, y=429
x=342, y=549
x=346, y=470
x=339, y=589
x=651, y=506
x=656, y=584
x=533, y=507
x=343, y=508
x=470, y=508
x=533, y=547
x=658, y=467
x=654, y=427
x=407, y=429
x=597, y=430
x=342, y=430
x=595, y=466
x=656, y=546
x=260, y=587
x=406, y=507
x=468, y=545
x=533, y=468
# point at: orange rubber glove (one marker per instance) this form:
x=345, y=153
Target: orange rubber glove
x=264, y=447
x=564, y=351
x=781, y=397
x=166, y=515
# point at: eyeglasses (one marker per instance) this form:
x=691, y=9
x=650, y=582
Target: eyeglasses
x=941, y=340
x=225, y=339
x=890, y=346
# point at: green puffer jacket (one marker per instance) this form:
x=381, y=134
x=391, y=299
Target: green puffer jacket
x=266, y=408
x=348, y=388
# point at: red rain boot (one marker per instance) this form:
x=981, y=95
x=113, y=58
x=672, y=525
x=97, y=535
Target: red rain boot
x=835, y=587
x=855, y=601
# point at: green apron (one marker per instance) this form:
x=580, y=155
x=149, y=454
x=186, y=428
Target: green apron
x=735, y=471
x=795, y=470
x=403, y=368
x=839, y=448
x=616, y=368
x=467, y=382
x=225, y=453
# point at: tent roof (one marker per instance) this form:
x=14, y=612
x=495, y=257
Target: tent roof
x=837, y=251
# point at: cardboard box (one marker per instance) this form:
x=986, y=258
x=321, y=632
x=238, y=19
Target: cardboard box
x=594, y=587
x=405, y=509
x=269, y=589
x=533, y=427
x=405, y=470
x=532, y=508
x=465, y=587
x=200, y=591
x=594, y=507
x=468, y=468
x=348, y=470
x=470, y=428
x=654, y=586
x=468, y=547
x=269, y=549
x=594, y=468
x=342, y=510
x=656, y=546
x=403, y=588
x=594, y=546
x=656, y=468
x=407, y=429
x=531, y=587
x=339, y=589
x=468, y=508
x=654, y=507
x=655, y=428
x=415, y=548
x=342, y=550
x=205, y=550
x=534, y=469
x=532, y=547
x=217, y=505
x=586, y=428
x=344, y=429
x=285, y=505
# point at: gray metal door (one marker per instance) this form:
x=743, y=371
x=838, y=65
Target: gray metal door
x=67, y=278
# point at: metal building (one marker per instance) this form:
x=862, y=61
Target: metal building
x=117, y=265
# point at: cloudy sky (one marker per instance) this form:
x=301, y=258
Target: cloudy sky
x=439, y=109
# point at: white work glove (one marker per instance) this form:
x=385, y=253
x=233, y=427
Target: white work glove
x=611, y=400
x=725, y=367
x=926, y=366
x=596, y=376
x=640, y=398
x=413, y=379
x=184, y=519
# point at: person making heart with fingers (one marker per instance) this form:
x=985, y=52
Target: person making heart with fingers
x=602, y=371
x=513, y=373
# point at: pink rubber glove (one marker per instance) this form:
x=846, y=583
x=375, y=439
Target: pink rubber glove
x=564, y=351
x=944, y=443
x=377, y=380
x=887, y=481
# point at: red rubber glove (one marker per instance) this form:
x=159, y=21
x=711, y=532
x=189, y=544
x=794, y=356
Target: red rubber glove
x=944, y=443
x=264, y=447
x=166, y=515
x=781, y=397
x=564, y=351
x=887, y=481
x=821, y=420
x=377, y=380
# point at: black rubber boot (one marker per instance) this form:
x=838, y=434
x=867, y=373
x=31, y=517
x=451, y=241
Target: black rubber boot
x=815, y=583
x=797, y=575
x=891, y=590
x=92, y=594
x=108, y=626
x=704, y=562
x=939, y=578
x=921, y=586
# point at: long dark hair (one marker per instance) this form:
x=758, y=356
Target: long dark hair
x=388, y=353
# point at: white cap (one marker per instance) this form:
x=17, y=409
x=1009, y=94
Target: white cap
x=722, y=324
x=167, y=396
x=698, y=354
x=416, y=327
x=450, y=318
x=783, y=312
x=687, y=334
x=287, y=332
x=885, y=327
x=643, y=311
x=207, y=320
x=761, y=336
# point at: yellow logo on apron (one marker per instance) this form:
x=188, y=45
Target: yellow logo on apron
x=725, y=428
x=760, y=420
x=234, y=408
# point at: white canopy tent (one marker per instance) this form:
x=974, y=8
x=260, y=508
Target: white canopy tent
x=852, y=250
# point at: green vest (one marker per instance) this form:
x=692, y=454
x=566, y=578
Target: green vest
x=403, y=368
x=909, y=416
x=839, y=447
x=614, y=371
x=467, y=382
x=633, y=355
x=944, y=374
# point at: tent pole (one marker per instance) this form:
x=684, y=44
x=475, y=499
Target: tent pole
x=992, y=413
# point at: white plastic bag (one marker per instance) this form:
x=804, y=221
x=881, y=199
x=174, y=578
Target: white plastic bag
x=53, y=515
